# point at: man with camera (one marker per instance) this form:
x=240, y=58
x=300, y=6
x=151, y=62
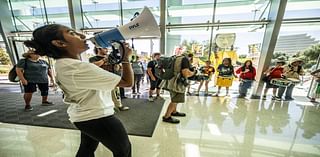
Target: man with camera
x=101, y=60
x=177, y=87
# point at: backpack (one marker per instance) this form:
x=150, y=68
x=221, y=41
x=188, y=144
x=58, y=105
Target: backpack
x=12, y=76
x=165, y=67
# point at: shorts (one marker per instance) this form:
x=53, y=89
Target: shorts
x=155, y=84
x=32, y=87
x=177, y=97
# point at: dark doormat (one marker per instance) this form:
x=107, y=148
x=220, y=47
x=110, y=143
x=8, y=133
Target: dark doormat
x=140, y=120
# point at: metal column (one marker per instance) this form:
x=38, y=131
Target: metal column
x=277, y=10
x=163, y=17
x=6, y=27
x=75, y=12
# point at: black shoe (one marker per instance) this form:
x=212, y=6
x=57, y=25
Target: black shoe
x=123, y=108
x=124, y=97
x=178, y=114
x=47, y=103
x=170, y=120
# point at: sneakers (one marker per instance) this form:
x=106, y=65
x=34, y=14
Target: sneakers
x=150, y=99
x=170, y=120
x=178, y=114
x=273, y=98
x=47, y=103
x=28, y=108
x=264, y=97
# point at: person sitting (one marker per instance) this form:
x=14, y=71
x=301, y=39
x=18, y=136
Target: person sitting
x=274, y=72
x=207, y=72
x=247, y=76
x=292, y=72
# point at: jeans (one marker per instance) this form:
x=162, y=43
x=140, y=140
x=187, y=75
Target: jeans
x=136, y=84
x=107, y=130
x=244, y=86
x=288, y=91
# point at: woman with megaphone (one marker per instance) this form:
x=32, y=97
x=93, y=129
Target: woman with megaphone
x=87, y=88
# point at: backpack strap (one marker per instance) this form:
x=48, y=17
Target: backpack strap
x=177, y=65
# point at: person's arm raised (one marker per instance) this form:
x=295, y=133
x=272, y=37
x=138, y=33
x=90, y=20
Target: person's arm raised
x=127, y=73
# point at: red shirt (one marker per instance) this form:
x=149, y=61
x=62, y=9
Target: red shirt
x=276, y=72
x=248, y=75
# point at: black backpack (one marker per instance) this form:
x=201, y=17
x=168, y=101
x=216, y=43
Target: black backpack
x=164, y=68
x=12, y=76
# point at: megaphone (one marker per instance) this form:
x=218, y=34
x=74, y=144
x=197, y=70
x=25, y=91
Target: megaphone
x=143, y=25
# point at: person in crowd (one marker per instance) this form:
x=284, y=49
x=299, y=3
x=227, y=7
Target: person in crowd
x=274, y=72
x=154, y=80
x=145, y=75
x=138, y=71
x=177, y=87
x=207, y=72
x=32, y=72
x=315, y=93
x=225, y=75
x=291, y=72
x=247, y=75
x=87, y=88
x=101, y=60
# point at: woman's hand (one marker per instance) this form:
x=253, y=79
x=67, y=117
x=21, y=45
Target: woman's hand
x=127, y=53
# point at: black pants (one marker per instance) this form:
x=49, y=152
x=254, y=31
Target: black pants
x=109, y=131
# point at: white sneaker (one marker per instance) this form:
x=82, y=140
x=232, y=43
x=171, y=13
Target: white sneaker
x=150, y=99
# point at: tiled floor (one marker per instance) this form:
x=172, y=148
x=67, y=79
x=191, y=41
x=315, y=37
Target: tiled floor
x=214, y=127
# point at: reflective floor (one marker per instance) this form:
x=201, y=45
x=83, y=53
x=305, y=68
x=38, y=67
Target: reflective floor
x=214, y=126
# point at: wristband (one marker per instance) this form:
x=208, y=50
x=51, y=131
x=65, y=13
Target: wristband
x=126, y=62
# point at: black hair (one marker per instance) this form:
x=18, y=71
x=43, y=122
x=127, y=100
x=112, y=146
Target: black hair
x=229, y=60
x=41, y=41
x=243, y=68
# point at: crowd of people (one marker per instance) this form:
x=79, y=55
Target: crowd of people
x=93, y=90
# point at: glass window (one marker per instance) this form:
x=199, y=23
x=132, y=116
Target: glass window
x=131, y=7
x=300, y=40
x=302, y=9
x=242, y=10
x=179, y=12
x=31, y=14
x=101, y=13
x=189, y=40
x=58, y=12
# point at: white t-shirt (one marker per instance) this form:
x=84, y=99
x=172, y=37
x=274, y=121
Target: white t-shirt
x=87, y=89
